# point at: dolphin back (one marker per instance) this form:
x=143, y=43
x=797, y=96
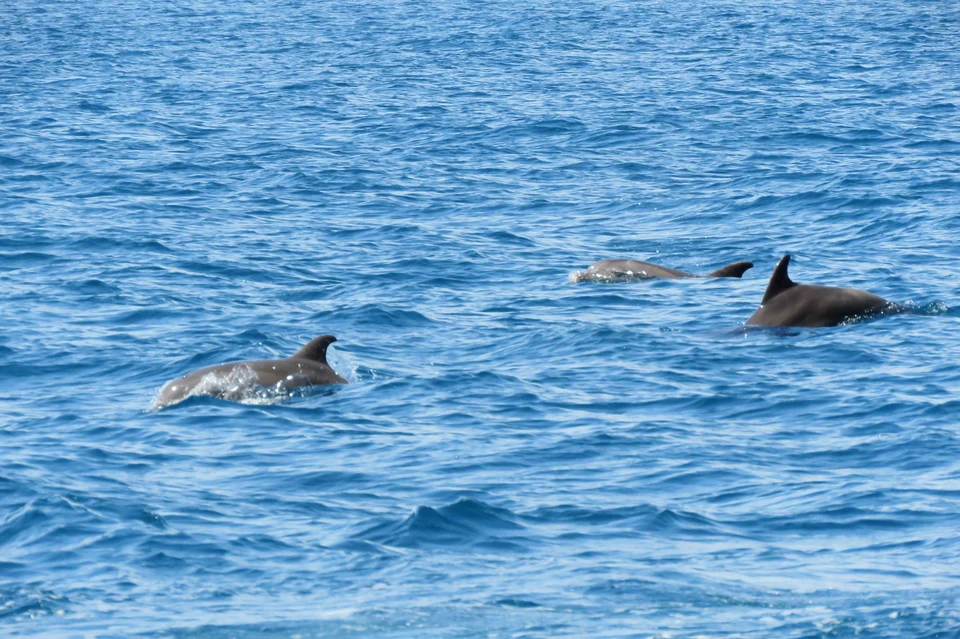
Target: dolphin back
x=261, y=380
x=787, y=303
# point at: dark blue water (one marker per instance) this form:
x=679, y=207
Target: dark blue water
x=186, y=183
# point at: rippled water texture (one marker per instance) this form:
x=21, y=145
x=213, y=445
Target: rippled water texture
x=517, y=455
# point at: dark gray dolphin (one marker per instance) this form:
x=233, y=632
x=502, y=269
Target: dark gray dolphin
x=787, y=303
x=234, y=380
x=624, y=270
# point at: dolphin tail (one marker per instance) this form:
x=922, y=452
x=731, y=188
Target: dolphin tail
x=737, y=269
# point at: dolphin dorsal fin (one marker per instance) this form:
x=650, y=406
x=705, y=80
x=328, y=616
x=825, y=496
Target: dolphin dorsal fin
x=316, y=349
x=737, y=269
x=779, y=281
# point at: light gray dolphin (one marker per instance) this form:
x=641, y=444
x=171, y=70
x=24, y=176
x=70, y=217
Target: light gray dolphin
x=787, y=303
x=235, y=380
x=625, y=270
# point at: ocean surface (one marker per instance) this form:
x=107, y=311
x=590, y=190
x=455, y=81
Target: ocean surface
x=184, y=183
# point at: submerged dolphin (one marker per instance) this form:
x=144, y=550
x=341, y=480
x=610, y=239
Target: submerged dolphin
x=787, y=303
x=622, y=270
x=234, y=380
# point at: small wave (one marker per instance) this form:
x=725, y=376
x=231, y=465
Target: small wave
x=93, y=107
x=252, y=336
x=465, y=523
x=683, y=522
x=377, y=315
x=94, y=287
x=631, y=587
x=25, y=258
x=516, y=602
x=805, y=198
x=851, y=519
x=101, y=243
x=930, y=308
x=573, y=513
x=226, y=270
x=506, y=237
x=192, y=132
x=25, y=521
x=139, y=316
x=943, y=184
x=935, y=145
x=27, y=602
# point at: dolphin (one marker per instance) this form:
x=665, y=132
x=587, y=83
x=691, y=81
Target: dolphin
x=234, y=380
x=625, y=270
x=787, y=303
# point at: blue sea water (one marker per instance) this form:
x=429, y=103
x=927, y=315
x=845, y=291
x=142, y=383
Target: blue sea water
x=184, y=183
